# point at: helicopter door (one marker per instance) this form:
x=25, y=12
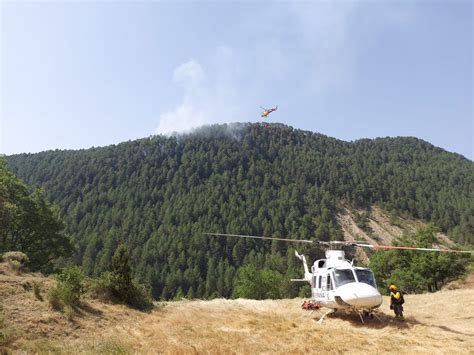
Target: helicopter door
x=329, y=283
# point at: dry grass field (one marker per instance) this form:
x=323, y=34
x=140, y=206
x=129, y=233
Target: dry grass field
x=442, y=322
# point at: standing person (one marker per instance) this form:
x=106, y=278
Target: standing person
x=396, y=302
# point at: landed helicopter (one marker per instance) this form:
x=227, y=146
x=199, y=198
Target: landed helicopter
x=336, y=283
x=267, y=111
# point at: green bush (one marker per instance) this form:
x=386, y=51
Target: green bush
x=258, y=284
x=110, y=287
x=69, y=288
x=101, y=287
x=16, y=259
x=118, y=284
x=18, y=256
x=305, y=291
x=71, y=285
x=414, y=271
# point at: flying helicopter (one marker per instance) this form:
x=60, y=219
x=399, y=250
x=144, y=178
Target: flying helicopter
x=267, y=111
x=336, y=283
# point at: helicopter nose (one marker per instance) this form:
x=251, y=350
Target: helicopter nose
x=361, y=295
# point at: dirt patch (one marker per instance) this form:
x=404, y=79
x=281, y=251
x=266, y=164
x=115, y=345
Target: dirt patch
x=384, y=228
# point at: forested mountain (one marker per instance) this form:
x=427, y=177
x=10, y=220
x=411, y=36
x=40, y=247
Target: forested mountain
x=160, y=194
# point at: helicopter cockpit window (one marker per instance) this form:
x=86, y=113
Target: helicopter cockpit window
x=366, y=276
x=343, y=276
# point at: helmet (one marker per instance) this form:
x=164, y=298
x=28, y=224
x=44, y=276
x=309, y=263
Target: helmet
x=392, y=287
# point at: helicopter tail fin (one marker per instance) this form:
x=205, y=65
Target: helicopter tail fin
x=307, y=274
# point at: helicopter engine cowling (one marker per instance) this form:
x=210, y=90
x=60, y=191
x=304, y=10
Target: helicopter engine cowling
x=358, y=295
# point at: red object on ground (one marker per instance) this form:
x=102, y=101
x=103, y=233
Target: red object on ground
x=310, y=305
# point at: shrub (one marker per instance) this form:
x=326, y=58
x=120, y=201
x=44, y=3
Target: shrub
x=417, y=272
x=69, y=288
x=109, y=287
x=18, y=256
x=118, y=284
x=258, y=284
x=140, y=297
x=16, y=260
x=121, y=284
x=101, y=287
x=70, y=285
x=305, y=291
x=37, y=288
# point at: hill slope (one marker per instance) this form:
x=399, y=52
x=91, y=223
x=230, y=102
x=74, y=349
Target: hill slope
x=159, y=195
x=442, y=322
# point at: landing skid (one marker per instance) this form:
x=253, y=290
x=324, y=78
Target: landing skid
x=363, y=314
x=324, y=315
x=376, y=316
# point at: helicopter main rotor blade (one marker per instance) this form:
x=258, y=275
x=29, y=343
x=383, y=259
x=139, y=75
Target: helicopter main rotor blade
x=317, y=242
x=377, y=246
x=257, y=237
x=341, y=242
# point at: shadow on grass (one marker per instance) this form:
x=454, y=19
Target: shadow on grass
x=385, y=320
x=84, y=308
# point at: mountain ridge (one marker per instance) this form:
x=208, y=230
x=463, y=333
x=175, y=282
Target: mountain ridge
x=239, y=125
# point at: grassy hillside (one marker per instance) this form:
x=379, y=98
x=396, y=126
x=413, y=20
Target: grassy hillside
x=159, y=195
x=441, y=322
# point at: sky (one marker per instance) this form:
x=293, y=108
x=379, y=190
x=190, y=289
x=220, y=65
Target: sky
x=77, y=74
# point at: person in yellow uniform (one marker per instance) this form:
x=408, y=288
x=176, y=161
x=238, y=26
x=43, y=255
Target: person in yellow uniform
x=396, y=302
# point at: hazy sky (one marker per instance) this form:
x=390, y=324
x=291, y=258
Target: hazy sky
x=87, y=73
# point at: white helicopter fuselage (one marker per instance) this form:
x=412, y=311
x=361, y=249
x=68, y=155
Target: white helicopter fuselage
x=337, y=284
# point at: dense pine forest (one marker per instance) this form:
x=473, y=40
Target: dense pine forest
x=160, y=194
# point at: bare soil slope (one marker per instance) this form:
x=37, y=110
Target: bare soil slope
x=442, y=322
x=383, y=228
